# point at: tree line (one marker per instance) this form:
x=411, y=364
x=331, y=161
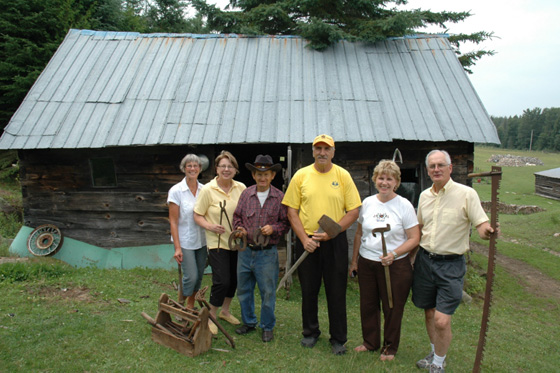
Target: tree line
x=536, y=129
x=32, y=30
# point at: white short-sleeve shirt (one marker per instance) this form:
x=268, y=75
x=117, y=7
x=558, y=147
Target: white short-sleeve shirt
x=398, y=213
x=191, y=235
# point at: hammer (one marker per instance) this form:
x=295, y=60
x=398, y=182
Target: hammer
x=329, y=226
x=387, y=275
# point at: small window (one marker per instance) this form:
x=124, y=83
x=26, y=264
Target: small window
x=103, y=172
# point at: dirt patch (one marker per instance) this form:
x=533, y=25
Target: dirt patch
x=79, y=294
x=12, y=260
x=534, y=281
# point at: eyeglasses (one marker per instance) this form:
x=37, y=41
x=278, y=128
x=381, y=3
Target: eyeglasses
x=439, y=166
x=226, y=167
x=192, y=166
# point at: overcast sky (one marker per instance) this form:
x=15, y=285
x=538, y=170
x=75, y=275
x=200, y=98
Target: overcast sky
x=525, y=71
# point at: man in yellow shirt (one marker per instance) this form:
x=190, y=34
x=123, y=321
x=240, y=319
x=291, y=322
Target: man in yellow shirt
x=322, y=188
x=445, y=213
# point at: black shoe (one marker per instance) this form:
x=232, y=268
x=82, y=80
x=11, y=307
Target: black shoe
x=267, y=335
x=244, y=329
x=338, y=348
x=309, y=342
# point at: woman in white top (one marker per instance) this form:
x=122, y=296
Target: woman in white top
x=188, y=237
x=386, y=207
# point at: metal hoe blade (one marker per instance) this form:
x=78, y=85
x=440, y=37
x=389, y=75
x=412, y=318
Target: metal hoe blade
x=496, y=175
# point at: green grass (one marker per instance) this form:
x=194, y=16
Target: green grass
x=71, y=319
x=528, y=238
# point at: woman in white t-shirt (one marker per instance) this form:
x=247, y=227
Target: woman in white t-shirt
x=378, y=211
x=187, y=236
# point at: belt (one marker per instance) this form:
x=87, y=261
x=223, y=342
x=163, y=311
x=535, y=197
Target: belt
x=259, y=247
x=433, y=256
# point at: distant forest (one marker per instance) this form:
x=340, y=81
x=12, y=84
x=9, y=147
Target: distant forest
x=536, y=129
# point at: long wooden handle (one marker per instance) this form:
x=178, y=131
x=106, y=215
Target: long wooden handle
x=180, y=271
x=387, y=274
x=153, y=323
x=291, y=270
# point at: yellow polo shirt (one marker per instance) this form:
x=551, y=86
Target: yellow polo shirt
x=314, y=193
x=208, y=205
x=447, y=217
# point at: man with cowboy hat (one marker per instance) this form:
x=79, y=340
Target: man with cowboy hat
x=262, y=219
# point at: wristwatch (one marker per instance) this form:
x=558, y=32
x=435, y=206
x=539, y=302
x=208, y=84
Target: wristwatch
x=394, y=253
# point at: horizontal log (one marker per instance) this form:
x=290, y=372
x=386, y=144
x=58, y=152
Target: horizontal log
x=136, y=222
x=109, y=201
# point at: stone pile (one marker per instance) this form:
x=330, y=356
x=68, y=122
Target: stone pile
x=514, y=160
x=504, y=208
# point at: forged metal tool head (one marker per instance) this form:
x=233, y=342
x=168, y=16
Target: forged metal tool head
x=330, y=227
x=381, y=229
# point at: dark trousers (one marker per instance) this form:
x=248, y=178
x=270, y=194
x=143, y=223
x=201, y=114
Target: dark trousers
x=224, y=275
x=328, y=263
x=373, y=290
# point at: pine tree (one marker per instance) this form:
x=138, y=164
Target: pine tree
x=30, y=32
x=325, y=22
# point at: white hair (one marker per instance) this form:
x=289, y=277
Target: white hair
x=446, y=154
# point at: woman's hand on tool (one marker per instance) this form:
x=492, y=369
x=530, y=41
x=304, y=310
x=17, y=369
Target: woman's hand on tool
x=218, y=229
x=178, y=255
x=387, y=260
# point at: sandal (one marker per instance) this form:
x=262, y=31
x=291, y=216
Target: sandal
x=384, y=357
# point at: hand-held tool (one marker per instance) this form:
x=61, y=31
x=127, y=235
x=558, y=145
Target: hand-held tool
x=259, y=238
x=180, y=296
x=496, y=175
x=222, y=213
x=328, y=225
x=237, y=243
x=387, y=273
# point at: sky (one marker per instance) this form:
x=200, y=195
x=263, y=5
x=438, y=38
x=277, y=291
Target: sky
x=525, y=71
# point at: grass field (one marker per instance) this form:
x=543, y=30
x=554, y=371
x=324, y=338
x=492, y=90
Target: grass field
x=529, y=238
x=57, y=318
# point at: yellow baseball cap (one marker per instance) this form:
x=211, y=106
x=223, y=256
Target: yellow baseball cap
x=324, y=138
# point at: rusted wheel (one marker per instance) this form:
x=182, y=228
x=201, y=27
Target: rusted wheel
x=44, y=240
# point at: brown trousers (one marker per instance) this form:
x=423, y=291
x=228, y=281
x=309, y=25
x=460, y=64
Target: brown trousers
x=373, y=291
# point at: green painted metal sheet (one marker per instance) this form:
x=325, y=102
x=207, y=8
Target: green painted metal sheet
x=80, y=254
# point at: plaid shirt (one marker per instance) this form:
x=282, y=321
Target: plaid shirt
x=250, y=215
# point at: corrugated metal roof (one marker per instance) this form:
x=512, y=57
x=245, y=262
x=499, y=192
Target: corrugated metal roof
x=104, y=89
x=553, y=173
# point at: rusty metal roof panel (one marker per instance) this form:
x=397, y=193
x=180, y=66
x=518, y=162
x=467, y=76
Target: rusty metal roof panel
x=105, y=89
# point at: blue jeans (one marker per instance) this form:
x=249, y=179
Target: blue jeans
x=193, y=264
x=261, y=268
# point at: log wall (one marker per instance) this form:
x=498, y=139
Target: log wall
x=548, y=187
x=57, y=185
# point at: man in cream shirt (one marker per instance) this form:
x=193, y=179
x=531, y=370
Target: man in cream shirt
x=446, y=212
